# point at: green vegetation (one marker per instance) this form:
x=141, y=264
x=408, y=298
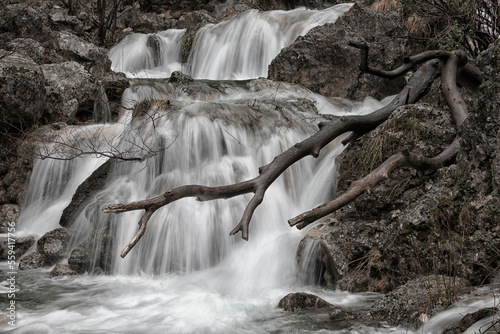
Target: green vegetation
x=187, y=41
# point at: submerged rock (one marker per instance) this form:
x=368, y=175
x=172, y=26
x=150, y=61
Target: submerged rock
x=323, y=61
x=301, y=301
x=94, y=183
x=62, y=270
x=93, y=253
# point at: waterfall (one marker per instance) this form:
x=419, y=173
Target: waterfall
x=187, y=275
x=238, y=49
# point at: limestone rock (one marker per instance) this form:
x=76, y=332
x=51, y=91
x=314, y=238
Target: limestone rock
x=418, y=300
x=53, y=245
x=22, y=91
x=62, y=270
x=8, y=214
x=89, y=187
x=94, y=59
x=21, y=245
x=31, y=261
x=51, y=248
x=301, y=301
x=93, y=253
x=323, y=61
x=71, y=91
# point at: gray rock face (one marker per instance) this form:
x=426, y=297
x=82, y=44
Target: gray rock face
x=301, y=301
x=324, y=62
x=22, y=91
x=89, y=187
x=354, y=246
x=418, y=300
x=51, y=248
x=62, y=270
x=22, y=20
x=21, y=245
x=70, y=89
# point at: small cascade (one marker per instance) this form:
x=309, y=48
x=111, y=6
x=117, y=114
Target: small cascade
x=148, y=56
x=238, y=49
x=102, y=111
x=243, y=47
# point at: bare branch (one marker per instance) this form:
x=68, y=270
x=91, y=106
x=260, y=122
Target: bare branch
x=382, y=172
x=418, y=86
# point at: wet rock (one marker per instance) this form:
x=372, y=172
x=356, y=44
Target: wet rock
x=323, y=61
x=20, y=246
x=114, y=85
x=31, y=261
x=51, y=248
x=93, y=253
x=197, y=18
x=418, y=300
x=301, y=301
x=71, y=91
x=88, y=188
x=469, y=320
x=370, y=245
x=53, y=245
x=62, y=270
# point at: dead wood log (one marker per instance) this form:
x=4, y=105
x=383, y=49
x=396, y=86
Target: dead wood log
x=418, y=85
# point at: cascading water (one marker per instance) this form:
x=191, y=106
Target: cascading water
x=187, y=275
x=238, y=49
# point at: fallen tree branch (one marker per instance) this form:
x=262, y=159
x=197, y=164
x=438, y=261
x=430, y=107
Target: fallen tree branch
x=418, y=85
x=380, y=173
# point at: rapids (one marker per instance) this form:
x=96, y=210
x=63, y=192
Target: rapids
x=187, y=275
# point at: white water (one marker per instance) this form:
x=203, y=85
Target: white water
x=238, y=49
x=187, y=275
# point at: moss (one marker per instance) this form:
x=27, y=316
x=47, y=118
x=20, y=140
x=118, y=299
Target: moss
x=187, y=41
x=395, y=135
x=143, y=107
x=16, y=70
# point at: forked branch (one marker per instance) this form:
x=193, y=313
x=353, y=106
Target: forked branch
x=418, y=85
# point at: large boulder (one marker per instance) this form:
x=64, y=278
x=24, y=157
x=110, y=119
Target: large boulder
x=323, y=61
x=93, y=254
x=21, y=20
x=50, y=249
x=356, y=249
x=71, y=91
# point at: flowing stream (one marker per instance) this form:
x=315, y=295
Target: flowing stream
x=187, y=275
